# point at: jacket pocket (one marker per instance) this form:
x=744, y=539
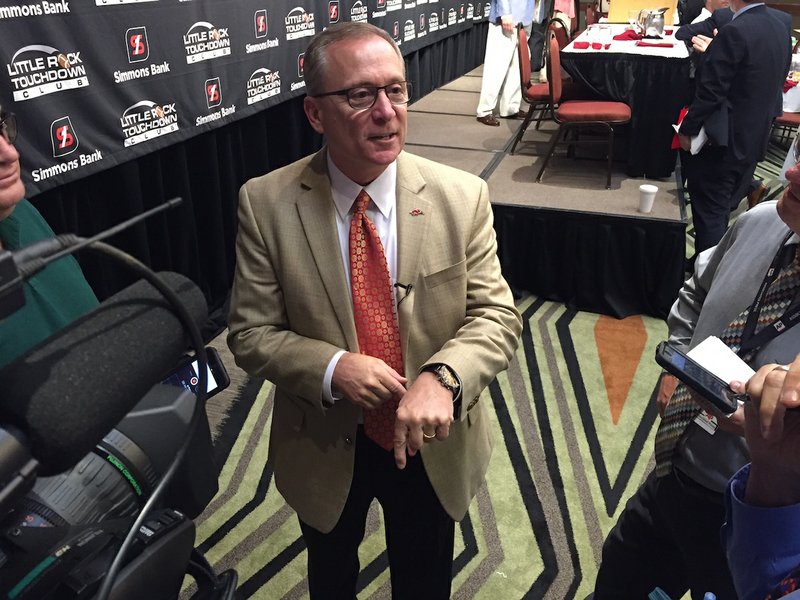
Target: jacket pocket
x=448, y=274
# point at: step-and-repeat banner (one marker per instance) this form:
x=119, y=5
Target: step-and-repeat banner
x=95, y=83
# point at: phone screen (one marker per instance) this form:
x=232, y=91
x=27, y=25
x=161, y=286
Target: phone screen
x=187, y=376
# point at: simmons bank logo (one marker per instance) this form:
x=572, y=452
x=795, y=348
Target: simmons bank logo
x=299, y=23
x=261, y=25
x=203, y=41
x=147, y=120
x=40, y=70
x=63, y=137
x=64, y=141
x=380, y=9
x=359, y=13
x=213, y=88
x=138, y=48
x=263, y=84
x=34, y=10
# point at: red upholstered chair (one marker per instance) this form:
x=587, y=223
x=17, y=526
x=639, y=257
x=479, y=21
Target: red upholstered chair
x=580, y=114
x=787, y=123
x=537, y=95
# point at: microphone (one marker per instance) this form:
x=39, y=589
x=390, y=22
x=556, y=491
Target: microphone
x=73, y=388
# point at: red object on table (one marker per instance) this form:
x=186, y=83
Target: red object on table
x=580, y=45
x=668, y=32
x=628, y=35
x=655, y=44
x=596, y=45
x=788, y=84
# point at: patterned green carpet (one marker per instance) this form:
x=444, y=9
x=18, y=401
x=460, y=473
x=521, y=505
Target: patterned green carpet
x=573, y=421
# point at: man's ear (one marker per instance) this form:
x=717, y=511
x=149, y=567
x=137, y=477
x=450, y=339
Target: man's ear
x=313, y=114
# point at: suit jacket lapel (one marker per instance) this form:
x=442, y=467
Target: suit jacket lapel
x=414, y=211
x=318, y=216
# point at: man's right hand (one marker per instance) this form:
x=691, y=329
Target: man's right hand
x=507, y=22
x=366, y=381
x=700, y=43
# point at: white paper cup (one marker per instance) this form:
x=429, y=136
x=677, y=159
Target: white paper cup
x=647, y=194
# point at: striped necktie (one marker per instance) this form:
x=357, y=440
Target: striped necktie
x=374, y=313
x=681, y=410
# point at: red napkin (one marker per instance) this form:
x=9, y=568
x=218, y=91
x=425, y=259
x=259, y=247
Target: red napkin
x=580, y=45
x=655, y=44
x=668, y=32
x=628, y=35
x=788, y=84
x=676, y=143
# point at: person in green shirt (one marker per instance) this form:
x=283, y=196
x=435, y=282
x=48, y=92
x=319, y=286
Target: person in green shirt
x=55, y=296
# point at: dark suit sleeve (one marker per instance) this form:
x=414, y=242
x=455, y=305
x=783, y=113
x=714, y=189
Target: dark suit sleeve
x=687, y=32
x=718, y=73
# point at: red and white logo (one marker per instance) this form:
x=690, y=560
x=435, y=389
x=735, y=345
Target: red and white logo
x=333, y=11
x=136, y=41
x=63, y=137
x=381, y=4
x=213, y=92
x=260, y=21
x=300, y=64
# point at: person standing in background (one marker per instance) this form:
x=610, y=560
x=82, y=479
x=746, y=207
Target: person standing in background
x=501, y=91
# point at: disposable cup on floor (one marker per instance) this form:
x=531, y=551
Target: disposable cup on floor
x=647, y=194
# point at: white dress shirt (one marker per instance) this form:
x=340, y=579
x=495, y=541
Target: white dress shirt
x=381, y=211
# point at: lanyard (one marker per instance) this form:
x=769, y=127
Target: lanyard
x=790, y=316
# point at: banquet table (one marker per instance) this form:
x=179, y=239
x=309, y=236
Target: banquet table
x=653, y=81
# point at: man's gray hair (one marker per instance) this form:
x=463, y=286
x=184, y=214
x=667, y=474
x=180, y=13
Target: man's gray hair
x=315, y=60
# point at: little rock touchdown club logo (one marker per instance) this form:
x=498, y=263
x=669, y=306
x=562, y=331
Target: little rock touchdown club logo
x=147, y=120
x=300, y=23
x=39, y=70
x=263, y=84
x=203, y=41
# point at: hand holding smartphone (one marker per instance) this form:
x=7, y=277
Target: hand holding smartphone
x=705, y=383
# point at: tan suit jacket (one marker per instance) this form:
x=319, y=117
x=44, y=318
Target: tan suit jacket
x=291, y=312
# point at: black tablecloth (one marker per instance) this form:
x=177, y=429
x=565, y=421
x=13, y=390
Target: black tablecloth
x=655, y=88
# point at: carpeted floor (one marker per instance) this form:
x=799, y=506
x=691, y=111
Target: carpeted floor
x=573, y=421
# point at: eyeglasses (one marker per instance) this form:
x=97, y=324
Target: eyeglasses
x=364, y=96
x=8, y=126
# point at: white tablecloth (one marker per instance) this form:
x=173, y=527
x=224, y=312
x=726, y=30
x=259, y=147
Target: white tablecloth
x=604, y=33
x=791, y=99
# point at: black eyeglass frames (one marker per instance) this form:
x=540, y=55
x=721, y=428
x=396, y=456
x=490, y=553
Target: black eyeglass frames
x=8, y=126
x=364, y=96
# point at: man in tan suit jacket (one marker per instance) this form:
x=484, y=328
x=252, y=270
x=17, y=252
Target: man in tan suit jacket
x=292, y=322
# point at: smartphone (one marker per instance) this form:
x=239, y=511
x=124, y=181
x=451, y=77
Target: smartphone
x=186, y=374
x=705, y=383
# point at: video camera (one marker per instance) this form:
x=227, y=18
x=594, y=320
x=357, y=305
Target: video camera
x=125, y=458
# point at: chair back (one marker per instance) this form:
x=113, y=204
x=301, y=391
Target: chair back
x=559, y=29
x=554, y=69
x=591, y=15
x=524, y=56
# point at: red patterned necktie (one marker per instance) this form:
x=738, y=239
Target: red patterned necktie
x=374, y=312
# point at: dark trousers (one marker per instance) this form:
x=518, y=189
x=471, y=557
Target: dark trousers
x=419, y=533
x=668, y=536
x=536, y=46
x=716, y=185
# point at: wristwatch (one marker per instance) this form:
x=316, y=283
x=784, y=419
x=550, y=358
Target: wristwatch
x=450, y=381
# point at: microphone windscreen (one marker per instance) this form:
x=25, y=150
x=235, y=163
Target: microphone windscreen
x=73, y=388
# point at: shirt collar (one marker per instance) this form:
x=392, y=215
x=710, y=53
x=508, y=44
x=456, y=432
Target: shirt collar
x=382, y=190
x=745, y=8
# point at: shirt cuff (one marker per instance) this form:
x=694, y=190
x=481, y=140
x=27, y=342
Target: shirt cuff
x=328, y=397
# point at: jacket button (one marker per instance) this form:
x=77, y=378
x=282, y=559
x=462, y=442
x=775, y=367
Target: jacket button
x=348, y=440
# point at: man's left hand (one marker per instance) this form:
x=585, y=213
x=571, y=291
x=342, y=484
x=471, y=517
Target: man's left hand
x=424, y=414
x=686, y=142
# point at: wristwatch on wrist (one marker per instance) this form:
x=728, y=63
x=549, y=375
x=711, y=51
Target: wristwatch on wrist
x=450, y=381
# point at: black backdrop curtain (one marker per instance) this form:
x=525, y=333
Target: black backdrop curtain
x=197, y=238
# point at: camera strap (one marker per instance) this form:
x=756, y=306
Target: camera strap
x=791, y=315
